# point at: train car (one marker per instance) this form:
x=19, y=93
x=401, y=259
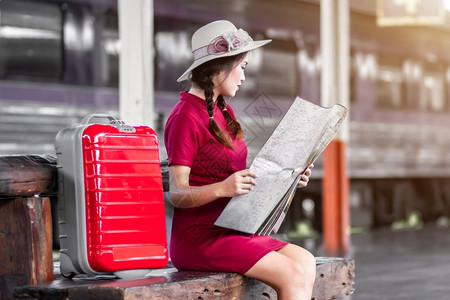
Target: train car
x=59, y=62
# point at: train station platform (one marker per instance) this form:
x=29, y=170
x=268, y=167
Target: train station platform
x=412, y=264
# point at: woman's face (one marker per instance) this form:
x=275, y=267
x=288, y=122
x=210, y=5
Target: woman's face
x=227, y=84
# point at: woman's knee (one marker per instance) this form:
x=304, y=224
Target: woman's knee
x=301, y=256
x=296, y=275
x=309, y=264
x=295, y=281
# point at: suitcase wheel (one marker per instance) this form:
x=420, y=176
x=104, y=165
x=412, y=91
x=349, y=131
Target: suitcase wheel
x=66, y=266
x=68, y=275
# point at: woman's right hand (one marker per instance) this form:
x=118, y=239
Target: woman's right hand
x=238, y=183
x=183, y=195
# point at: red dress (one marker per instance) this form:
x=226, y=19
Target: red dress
x=196, y=243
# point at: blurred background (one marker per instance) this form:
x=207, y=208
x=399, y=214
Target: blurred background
x=59, y=60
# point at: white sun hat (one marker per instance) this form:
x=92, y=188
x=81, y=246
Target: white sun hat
x=219, y=39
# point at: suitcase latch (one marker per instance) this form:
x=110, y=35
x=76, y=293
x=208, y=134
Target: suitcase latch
x=122, y=127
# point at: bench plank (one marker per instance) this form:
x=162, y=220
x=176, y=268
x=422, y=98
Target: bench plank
x=334, y=280
x=27, y=175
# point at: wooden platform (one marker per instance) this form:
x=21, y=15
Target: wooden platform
x=334, y=280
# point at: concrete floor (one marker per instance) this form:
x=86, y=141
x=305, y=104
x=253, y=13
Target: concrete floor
x=413, y=265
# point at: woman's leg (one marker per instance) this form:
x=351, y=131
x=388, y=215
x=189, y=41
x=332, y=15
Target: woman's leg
x=290, y=271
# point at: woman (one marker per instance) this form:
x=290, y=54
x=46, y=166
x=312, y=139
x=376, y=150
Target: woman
x=207, y=157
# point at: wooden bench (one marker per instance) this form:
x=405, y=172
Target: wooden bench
x=334, y=280
x=25, y=221
x=27, y=270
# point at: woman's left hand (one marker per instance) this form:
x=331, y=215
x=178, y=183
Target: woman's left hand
x=304, y=178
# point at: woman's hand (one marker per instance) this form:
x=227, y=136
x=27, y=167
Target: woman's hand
x=304, y=178
x=184, y=196
x=238, y=183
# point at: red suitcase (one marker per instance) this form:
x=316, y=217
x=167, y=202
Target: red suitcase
x=111, y=198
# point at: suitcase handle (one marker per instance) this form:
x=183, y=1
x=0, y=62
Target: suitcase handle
x=87, y=119
x=119, y=124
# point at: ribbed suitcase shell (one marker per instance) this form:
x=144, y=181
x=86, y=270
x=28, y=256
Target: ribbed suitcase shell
x=111, y=204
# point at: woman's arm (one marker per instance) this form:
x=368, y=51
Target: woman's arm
x=184, y=196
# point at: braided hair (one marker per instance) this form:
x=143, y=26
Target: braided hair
x=203, y=77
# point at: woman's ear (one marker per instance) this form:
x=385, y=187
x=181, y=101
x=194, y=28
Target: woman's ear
x=219, y=73
x=218, y=78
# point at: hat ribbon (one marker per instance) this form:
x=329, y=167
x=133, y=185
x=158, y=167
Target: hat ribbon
x=224, y=43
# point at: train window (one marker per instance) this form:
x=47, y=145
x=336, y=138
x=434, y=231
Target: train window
x=447, y=88
x=389, y=82
x=173, y=54
x=412, y=86
x=30, y=40
x=111, y=47
x=80, y=45
x=279, y=72
x=363, y=76
x=365, y=64
x=432, y=93
x=352, y=78
x=309, y=64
